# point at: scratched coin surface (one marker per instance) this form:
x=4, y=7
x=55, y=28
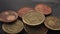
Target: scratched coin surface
x=36, y=30
x=33, y=18
x=13, y=28
x=45, y=9
x=8, y=16
x=52, y=22
x=23, y=10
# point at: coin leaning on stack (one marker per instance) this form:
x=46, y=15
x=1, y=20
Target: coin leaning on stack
x=33, y=18
x=13, y=28
x=52, y=22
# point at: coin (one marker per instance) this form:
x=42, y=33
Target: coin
x=8, y=16
x=13, y=28
x=52, y=23
x=45, y=9
x=23, y=10
x=33, y=18
x=36, y=30
x=11, y=33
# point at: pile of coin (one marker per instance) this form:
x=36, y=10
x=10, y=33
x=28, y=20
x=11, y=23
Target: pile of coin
x=34, y=20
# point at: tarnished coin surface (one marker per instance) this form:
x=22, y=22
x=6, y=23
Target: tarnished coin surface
x=52, y=22
x=23, y=10
x=8, y=16
x=36, y=30
x=13, y=28
x=33, y=18
x=45, y=9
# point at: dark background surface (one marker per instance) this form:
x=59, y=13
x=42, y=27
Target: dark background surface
x=16, y=4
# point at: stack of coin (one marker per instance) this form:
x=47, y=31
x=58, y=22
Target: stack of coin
x=45, y=9
x=13, y=28
x=36, y=30
x=23, y=10
x=52, y=23
x=33, y=18
x=8, y=16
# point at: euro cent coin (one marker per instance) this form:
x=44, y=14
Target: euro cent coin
x=33, y=18
x=23, y=10
x=13, y=28
x=45, y=9
x=8, y=16
x=52, y=23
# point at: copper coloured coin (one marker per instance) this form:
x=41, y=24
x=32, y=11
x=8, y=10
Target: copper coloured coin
x=36, y=30
x=13, y=28
x=23, y=10
x=33, y=18
x=8, y=16
x=52, y=22
x=45, y=9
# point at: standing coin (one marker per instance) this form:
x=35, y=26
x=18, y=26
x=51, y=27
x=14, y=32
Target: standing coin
x=23, y=10
x=33, y=18
x=13, y=28
x=8, y=16
x=43, y=8
x=52, y=23
x=37, y=30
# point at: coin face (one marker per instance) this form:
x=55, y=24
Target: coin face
x=8, y=16
x=43, y=8
x=52, y=23
x=36, y=30
x=33, y=18
x=13, y=28
x=23, y=10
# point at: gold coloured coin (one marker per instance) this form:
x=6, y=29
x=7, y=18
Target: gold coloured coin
x=13, y=28
x=36, y=30
x=52, y=23
x=33, y=18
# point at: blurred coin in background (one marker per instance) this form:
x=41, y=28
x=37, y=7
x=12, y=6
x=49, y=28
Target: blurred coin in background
x=45, y=9
x=23, y=10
